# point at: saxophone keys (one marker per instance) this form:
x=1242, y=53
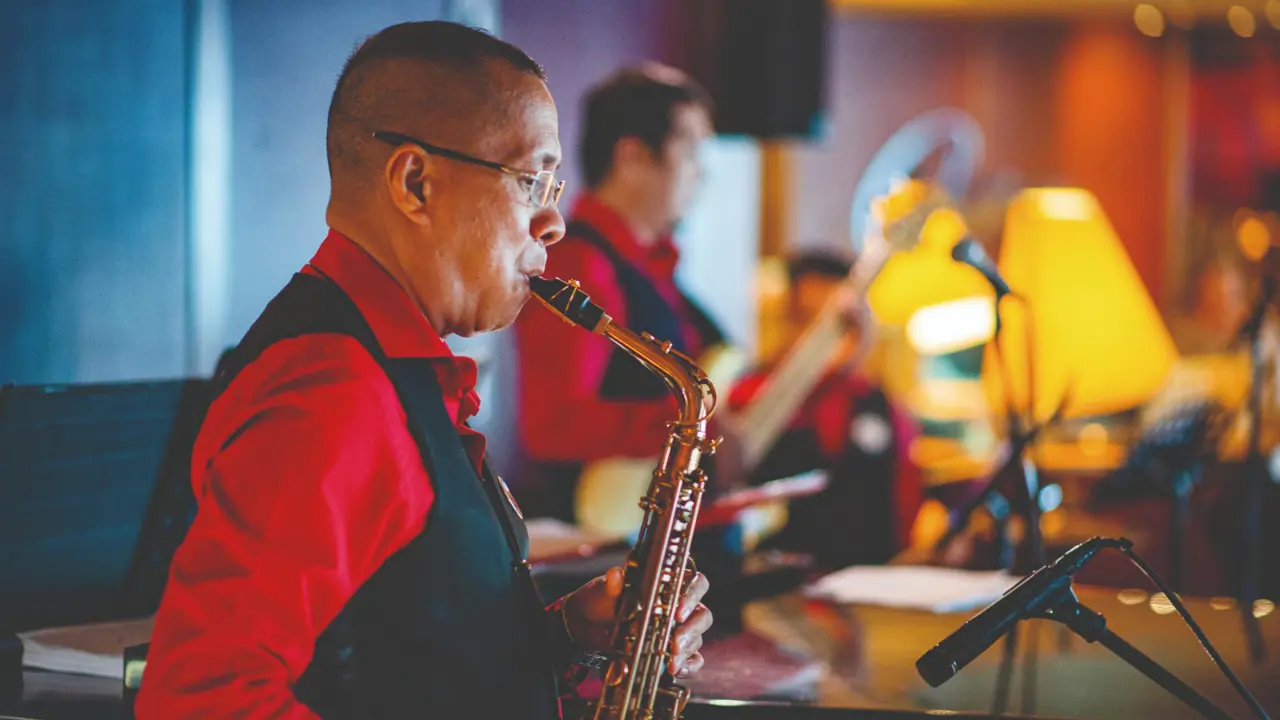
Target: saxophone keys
x=617, y=673
x=670, y=701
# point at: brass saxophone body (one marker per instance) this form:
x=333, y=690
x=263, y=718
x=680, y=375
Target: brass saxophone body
x=638, y=684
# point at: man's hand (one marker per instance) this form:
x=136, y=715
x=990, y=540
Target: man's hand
x=859, y=322
x=588, y=614
x=727, y=471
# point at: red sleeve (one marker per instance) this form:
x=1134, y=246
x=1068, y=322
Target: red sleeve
x=745, y=388
x=307, y=480
x=562, y=416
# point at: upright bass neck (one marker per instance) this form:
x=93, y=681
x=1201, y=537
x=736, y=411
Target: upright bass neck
x=785, y=389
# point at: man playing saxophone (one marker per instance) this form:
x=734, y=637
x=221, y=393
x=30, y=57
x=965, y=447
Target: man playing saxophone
x=352, y=556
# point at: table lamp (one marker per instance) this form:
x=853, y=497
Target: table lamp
x=1097, y=340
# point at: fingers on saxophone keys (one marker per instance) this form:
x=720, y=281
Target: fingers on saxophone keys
x=691, y=666
x=686, y=649
x=693, y=596
x=696, y=624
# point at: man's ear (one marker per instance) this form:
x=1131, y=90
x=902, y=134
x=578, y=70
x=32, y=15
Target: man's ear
x=408, y=175
x=631, y=151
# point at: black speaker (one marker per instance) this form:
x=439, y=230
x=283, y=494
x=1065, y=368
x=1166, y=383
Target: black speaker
x=764, y=63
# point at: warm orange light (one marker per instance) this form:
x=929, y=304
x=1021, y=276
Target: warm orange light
x=1097, y=334
x=1132, y=596
x=1242, y=21
x=1263, y=607
x=1223, y=603
x=1149, y=19
x=1092, y=440
x=1273, y=13
x=1161, y=604
x=1252, y=235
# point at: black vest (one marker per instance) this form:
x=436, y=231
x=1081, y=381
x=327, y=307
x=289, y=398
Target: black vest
x=647, y=311
x=448, y=626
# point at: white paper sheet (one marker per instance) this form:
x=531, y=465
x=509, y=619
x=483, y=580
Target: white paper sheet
x=933, y=589
x=552, y=539
x=84, y=649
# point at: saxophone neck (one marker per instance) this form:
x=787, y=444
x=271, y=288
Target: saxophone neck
x=695, y=394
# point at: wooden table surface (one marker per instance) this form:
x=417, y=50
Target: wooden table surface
x=870, y=655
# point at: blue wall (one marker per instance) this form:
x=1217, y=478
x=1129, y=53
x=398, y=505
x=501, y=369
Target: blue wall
x=92, y=183
x=285, y=60
x=99, y=279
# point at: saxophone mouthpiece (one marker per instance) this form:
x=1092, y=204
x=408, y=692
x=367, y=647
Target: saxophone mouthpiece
x=568, y=301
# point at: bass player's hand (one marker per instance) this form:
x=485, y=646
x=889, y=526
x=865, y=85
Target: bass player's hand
x=728, y=469
x=589, y=615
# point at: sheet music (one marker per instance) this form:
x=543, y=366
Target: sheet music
x=932, y=589
x=551, y=539
x=96, y=649
x=61, y=687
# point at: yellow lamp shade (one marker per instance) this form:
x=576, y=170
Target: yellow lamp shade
x=925, y=274
x=1098, y=339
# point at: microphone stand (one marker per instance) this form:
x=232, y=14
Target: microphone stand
x=1256, y=475
x=1183, y=484
x=1018, y=475
x=1016, y=470
x=1067, y=609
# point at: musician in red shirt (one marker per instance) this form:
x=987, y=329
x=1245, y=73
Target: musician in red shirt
x=847, y=426
x=581, y=400
x=352, y=555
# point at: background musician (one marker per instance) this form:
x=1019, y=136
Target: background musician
x=350, y=557
x=848, y=427
x=582, y=400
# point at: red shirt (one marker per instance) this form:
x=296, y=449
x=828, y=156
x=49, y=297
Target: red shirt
x=562, y=416
x=307, y=480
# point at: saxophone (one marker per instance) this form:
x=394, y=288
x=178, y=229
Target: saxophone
x=637, y=683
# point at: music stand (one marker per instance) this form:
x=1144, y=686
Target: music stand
x=95, y=498
x=1170, y=458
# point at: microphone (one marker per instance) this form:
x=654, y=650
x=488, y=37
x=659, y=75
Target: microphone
x=970, y=252
x=1030, y=596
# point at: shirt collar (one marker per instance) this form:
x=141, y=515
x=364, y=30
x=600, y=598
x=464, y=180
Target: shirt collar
x=660, y=258
x=399, y=326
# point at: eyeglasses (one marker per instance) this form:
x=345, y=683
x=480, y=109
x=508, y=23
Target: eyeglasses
x=543, y=187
